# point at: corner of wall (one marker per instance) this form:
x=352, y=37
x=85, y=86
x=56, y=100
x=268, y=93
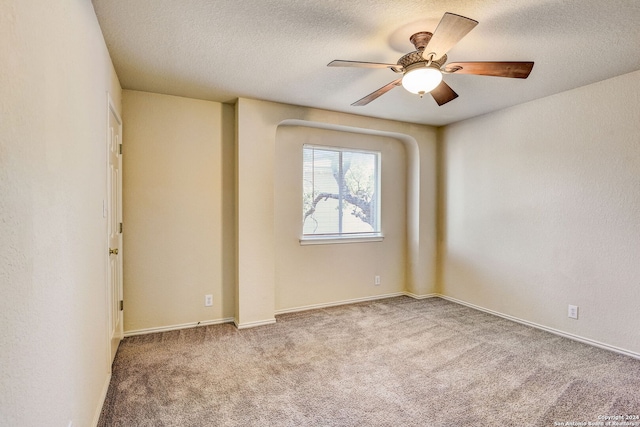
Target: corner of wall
x=440, y=207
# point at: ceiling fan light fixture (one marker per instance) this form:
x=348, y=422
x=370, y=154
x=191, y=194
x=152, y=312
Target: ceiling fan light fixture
x=421, y=80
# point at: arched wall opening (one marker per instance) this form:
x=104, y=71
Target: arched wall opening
x=313, y=275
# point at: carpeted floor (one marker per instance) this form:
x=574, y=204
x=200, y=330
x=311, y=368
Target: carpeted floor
x=393, y=362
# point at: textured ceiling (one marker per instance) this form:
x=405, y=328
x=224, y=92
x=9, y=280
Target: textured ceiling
x=277, y=50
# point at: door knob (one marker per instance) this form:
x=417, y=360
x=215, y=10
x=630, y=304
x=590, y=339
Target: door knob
x=113, y=251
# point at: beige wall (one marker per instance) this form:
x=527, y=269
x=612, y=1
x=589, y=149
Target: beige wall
x=180, y=224
x=178, y=211
x=54, y=79
x=316, y=274
x=259, y=249
x=541, y=209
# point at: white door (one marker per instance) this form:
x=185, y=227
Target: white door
x=114, y=229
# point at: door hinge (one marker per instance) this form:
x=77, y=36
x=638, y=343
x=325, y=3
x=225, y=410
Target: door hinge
x=120, y=149
x=121, y=305
x=120, y=228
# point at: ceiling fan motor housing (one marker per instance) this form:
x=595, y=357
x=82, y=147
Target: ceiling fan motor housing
x=416, y=58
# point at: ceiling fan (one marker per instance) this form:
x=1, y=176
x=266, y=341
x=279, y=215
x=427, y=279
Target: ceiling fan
x=422, y=69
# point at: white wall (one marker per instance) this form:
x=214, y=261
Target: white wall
x=178, y=211
x=541, y=209
x=54, y=78
x=316, y=274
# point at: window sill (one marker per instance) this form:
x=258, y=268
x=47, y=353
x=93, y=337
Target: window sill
x=332, y=240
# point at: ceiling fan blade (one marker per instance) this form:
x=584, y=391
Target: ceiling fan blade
x=443, y=93
x=384, y=89
x=517, y=70
x=341, y=63
x=451, y=29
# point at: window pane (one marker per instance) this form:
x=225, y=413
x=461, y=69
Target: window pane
x=359, y=178
x=323, y=187
x=340, y=194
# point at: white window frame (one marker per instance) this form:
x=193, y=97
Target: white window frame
x=374, y=236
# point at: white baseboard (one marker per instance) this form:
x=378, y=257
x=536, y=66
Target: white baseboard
x=337, y=303
x=103, y=397
x=273, y=320
x=177, y=327
x=547, y=329
x=254, y=324
x=415, y=296
x=373, y=298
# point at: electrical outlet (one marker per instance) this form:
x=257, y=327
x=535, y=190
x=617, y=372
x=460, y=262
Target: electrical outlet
x=208, y=300
x=573, y=311
x=376, y=280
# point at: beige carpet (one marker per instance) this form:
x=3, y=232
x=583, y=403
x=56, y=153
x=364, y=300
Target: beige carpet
x=393, y=362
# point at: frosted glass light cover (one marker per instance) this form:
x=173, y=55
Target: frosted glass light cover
x=422, y=80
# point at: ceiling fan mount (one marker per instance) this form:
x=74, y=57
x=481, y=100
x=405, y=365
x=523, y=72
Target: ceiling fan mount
x=422, y=69
x=421, y=40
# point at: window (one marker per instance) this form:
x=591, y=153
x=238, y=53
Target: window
x=341, y=194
